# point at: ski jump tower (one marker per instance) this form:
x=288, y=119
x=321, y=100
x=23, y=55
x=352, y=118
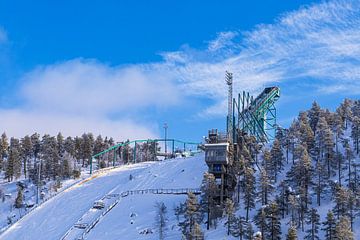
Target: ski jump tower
x=246, y=115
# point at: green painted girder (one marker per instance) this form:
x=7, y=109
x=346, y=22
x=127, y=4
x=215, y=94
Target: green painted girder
x=141, y=141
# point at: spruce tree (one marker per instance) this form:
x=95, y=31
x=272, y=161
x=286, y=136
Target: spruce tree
x=196, y=232
x=329, y=226
x=277, y=159
x=19, y=198
x=4, y=148
x=208, y=192
x=355, y=132
x=260, y=221
x=239, y=228
x=26, y=153
x=342, y=196
x=314, y=220
x=191, y=215
x=292, y=233
x=265, y=186
x=249, y=231
x=273, y=216
x=230, y=217
x=314, y=115
x=249, y=190
x=161, y=219
x=342, y=230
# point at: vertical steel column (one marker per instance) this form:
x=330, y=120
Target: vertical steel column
x=173, y=146
x=91, y=165
x=114, y=157
x=135, y=153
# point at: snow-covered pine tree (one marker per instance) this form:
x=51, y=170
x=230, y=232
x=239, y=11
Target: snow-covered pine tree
x=329, y=226
x=300, y=174
x=78, y=142
x=196, y=233
x=26, y=153
x=266, y=188
x=273, y=216
x=249, y=231
x=260, y=221
x=355, y=132
x=229, y=213
x=87, y=148
x=313, y=219
x=238, y=229
x=13, y=167
x=277, y=159
x=342, y=230
x=208, y=191
x=249, y=190
x=344, y=111
x=349, y=156
x=19, y=198
x=191, y=215
x=314, y=115
x=341, y=197
x=50, y=157
x=161, y=219
x=4, y=148
x=292, y=232
x=306, y=135
x=325, y=145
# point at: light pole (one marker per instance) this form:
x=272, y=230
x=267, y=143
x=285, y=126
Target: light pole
x=165, y=128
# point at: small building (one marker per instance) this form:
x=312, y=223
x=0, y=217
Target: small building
x=217, y=158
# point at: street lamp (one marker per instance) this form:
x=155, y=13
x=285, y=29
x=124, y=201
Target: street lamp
x=165, y=128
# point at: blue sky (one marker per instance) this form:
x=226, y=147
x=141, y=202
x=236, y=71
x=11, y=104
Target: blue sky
x=124, y=68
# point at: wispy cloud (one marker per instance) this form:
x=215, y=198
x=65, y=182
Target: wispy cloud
x=318, y=44
x=85, y=95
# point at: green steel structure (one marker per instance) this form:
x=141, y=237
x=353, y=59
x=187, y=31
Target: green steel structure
x=114, y=148
x=257, y=116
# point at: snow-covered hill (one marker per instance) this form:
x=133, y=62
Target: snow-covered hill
x=126, y=220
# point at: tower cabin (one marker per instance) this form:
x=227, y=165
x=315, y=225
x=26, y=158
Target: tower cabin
x=217, y=159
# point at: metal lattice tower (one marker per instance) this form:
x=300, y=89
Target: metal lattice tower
x=229, y=82
x=257, y=116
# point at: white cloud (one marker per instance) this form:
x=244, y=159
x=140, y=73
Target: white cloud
x=319, y=43
x=87, y=96
x=88, y=87
x=20, y=122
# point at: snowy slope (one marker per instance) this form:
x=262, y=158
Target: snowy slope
x=58, y=215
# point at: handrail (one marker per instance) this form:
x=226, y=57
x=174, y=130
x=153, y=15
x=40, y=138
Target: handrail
x=141, y=140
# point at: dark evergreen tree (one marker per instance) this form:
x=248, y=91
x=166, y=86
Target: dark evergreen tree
x=314, y=115
x=249, y=190
x=161, y=219
x=329, y=226
x=26, y=153
x=19, y=198
x=355, y=132
x=273, y=216
x=277, y=159
x=208, y=192
x=230, y=217
x=260, y=221
x=342, y=230
x=342, y=196
x=292, y=233
x=4, y=148
x=313, y=220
